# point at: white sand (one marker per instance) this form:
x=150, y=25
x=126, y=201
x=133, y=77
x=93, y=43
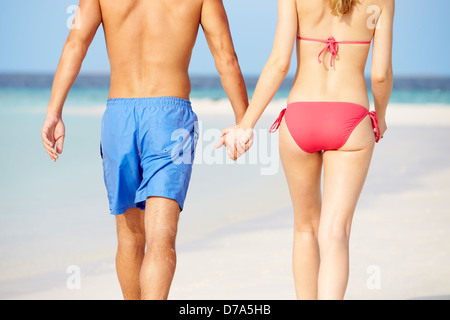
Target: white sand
x=235, y=241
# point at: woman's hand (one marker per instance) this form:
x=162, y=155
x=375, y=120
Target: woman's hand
x=237, y=140
x=383, y=127
x=53, y=132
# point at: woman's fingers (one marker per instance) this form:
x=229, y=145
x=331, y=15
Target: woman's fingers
x=240, y=147
x=219, y=143
x=236, y=140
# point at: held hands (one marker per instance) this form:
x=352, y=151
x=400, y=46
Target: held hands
x=237, y=140
x=53, y=132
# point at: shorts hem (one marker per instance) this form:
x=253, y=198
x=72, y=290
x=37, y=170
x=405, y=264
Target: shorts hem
x=122, y=210
x=163, y=194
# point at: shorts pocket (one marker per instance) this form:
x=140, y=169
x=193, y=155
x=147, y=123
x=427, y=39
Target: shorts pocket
x=156, y=129
x=166, y=140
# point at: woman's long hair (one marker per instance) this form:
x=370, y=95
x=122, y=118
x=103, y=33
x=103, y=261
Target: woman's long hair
x=341, y=7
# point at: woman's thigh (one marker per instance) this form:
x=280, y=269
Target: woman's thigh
x=345, y=172
x=303, y=174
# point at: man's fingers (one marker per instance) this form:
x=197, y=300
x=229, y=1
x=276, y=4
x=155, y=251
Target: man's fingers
x=50, y=150
x=49, y=147
x=52, y=154
x=46, y=140
x=60, y=144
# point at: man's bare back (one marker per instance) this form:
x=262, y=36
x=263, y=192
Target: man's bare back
x=150, y=42
x=149, y=45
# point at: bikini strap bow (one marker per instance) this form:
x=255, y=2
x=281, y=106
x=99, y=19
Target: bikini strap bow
x=376, y=128
x=332, y=47
x=277, y=122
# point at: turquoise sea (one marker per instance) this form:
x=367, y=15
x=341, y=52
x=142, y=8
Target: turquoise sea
x=32, y=90
x=53, y=215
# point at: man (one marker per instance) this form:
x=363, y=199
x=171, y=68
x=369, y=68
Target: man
x=149, y=44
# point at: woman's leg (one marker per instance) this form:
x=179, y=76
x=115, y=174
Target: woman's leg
x=303, y=172
x=345, y=171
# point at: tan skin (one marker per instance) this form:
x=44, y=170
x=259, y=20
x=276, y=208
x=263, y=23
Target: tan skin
x=149, y=46
x=322, y=222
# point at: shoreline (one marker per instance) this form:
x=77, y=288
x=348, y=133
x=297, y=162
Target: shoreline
x=397, y=114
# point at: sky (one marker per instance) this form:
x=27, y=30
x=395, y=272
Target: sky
x=32, y=34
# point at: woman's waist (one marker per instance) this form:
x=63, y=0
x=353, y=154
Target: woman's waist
x=354, y=93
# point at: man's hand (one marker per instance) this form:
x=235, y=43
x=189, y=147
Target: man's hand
x=53, y=132
x=237, y=141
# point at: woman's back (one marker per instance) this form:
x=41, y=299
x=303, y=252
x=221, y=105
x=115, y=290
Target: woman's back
x=321, y=74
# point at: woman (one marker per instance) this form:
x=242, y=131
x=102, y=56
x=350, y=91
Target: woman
x=326, y=123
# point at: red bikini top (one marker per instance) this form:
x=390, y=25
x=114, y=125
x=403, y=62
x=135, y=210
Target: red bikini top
x=332, y=46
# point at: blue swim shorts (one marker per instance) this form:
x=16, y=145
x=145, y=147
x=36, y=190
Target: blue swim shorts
x=147, y=148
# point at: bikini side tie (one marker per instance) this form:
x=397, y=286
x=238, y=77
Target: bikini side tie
x=376, y=128
x=277, y=122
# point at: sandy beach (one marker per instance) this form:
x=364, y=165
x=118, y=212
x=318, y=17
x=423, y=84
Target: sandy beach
x=235, y=234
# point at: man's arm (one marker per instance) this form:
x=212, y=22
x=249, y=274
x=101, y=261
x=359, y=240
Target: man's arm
x=75, y=48
x=74, y=52
x=214, y=22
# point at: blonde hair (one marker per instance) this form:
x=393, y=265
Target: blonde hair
x=341, y=7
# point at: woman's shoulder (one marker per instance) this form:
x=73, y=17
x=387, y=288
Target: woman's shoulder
x=387, y=3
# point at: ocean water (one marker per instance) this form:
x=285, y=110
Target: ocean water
x=33, y=90
x=53, y=215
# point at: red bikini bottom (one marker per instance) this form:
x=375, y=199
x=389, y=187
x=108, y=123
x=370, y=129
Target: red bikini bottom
x=321, y=126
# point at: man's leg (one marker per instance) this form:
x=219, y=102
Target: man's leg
x=158, y=267
x=130, y=251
